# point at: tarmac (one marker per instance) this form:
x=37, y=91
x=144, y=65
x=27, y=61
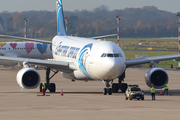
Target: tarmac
x=85, y=101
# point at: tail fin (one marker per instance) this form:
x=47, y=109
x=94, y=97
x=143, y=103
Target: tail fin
x=60, y=19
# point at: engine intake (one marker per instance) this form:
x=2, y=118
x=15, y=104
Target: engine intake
x=158, y=76
x=28, y=78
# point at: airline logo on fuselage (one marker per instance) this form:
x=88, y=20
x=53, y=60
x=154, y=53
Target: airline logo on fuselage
x=83, y=55
x=71, y=52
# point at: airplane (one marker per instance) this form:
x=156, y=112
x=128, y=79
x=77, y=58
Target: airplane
x=86, y=59
x=24, y=49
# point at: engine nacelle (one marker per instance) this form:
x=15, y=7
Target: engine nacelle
x=28, y=78
x=158, y=76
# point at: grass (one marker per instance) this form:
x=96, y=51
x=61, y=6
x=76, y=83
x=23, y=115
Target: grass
x=146, y=48
x=131, y=54
x=144, y=39
x=9, y=40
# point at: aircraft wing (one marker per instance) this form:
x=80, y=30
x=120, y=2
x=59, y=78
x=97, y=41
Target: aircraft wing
x=133, y=62
x=67, y=67
x=50, y=42
x=28, y=39
x=104, y=36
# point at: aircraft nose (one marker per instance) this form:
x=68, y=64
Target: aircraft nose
x=111, y=68
x=110, y=64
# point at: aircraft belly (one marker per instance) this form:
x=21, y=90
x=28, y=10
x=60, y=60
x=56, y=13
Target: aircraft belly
x=76, y=75
x=92, y=70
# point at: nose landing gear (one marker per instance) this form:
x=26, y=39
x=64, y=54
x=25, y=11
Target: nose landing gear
x=107, y=89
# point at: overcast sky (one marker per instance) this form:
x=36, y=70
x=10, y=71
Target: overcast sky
x=71, y=5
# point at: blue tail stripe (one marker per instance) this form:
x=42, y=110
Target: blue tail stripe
x=58, y=19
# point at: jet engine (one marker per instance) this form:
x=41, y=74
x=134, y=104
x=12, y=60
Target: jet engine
x=158, y=76
x=28, y=78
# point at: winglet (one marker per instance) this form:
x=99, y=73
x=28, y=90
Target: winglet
x=60, y=19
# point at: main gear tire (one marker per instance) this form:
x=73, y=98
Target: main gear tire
x=115, y=87
x=123, y=87
x=105, y=91
x=52, y=87
x=110, y=91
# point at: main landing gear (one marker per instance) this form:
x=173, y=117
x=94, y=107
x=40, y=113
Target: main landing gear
x=50, y=86
x=119, y=86
x=115, y=87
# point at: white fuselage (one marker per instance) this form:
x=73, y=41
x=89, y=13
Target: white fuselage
x=95, y=60
x=25, y=50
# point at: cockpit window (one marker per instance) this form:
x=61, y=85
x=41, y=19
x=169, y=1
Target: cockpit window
x=120, y=55
x=103, y=55
x=116, y=55
x=111, y=55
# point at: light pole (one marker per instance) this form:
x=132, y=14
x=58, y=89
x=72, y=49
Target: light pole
x=118, y=21
x=66, y=21
x=178, y=14
x=25, y=20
